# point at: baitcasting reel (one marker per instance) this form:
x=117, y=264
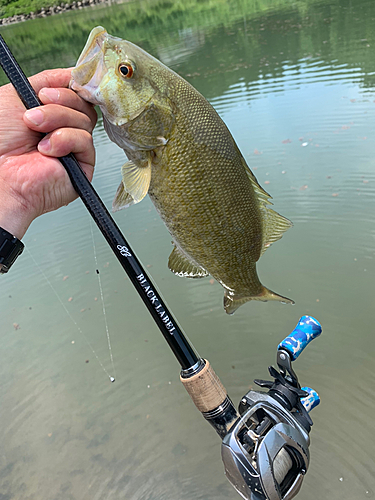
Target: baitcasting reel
x=266, y=451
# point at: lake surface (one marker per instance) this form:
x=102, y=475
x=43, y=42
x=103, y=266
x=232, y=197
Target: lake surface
x=295, y=83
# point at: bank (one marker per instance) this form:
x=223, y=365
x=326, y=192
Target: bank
x=45, y=11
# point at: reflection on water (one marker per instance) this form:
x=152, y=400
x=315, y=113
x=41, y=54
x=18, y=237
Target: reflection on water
x=294, y=81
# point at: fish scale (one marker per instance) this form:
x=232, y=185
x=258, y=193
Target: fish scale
x=182, y=154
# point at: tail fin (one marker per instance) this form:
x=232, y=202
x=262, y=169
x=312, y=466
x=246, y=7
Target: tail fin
x=233, y=300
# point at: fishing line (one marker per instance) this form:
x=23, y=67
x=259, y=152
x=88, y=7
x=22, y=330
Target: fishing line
x=156, y=306
x=112, y=379
x=102, y=299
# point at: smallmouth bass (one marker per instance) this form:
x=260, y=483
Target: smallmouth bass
x=181, y=153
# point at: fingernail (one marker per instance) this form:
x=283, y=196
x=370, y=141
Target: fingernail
x=35, y=115
x=45, y=145
x=52, y=94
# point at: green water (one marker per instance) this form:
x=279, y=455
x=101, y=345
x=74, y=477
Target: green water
x=295, y=83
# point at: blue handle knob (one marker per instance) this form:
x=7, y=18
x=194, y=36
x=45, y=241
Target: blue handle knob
x=308, y=329
x=310, y=401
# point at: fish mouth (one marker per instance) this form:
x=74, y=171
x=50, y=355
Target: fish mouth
x=90, y=69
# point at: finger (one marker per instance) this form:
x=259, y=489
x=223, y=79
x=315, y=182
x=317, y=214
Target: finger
x=68, y=98
x=52, y=116
x=51, y=78
x=69, y=140
x=48, y=78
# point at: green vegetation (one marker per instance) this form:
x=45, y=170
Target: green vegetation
x=156, y=9
x=10, y=8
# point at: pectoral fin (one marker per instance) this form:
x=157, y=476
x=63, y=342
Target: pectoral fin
x=180, y=265
x=122, y=199
x=134, y=185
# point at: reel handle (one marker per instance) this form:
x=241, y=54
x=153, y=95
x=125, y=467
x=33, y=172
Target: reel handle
x=307, y=329
x=310, y=401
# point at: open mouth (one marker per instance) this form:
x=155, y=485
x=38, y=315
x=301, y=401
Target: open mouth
x=93, y=46
x=89, y=70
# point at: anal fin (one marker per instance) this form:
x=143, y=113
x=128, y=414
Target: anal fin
x=180, y=265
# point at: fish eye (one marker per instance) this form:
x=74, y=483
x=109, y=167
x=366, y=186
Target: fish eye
x=126, y=70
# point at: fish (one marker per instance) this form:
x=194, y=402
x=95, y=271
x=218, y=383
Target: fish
x=181, y=153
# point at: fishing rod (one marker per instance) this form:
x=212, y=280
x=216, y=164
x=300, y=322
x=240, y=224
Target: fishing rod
x=264, y=444
x=138, y=276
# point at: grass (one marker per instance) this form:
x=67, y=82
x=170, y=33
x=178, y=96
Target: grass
x=10, y=8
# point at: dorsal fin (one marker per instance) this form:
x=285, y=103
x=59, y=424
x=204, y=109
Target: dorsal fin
x=274, y=224
x=262, y=194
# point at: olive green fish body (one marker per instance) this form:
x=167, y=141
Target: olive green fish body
x=211, y=210
x=183, y=155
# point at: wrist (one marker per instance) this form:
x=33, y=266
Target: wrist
x=14, y=216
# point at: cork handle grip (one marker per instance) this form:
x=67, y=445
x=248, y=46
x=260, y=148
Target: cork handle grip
x=205, y=389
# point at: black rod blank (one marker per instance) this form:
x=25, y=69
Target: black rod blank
x=168, y=326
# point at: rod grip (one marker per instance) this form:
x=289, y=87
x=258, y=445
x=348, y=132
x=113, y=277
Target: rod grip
x=205, y=389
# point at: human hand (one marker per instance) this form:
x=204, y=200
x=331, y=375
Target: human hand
x=32, y=180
